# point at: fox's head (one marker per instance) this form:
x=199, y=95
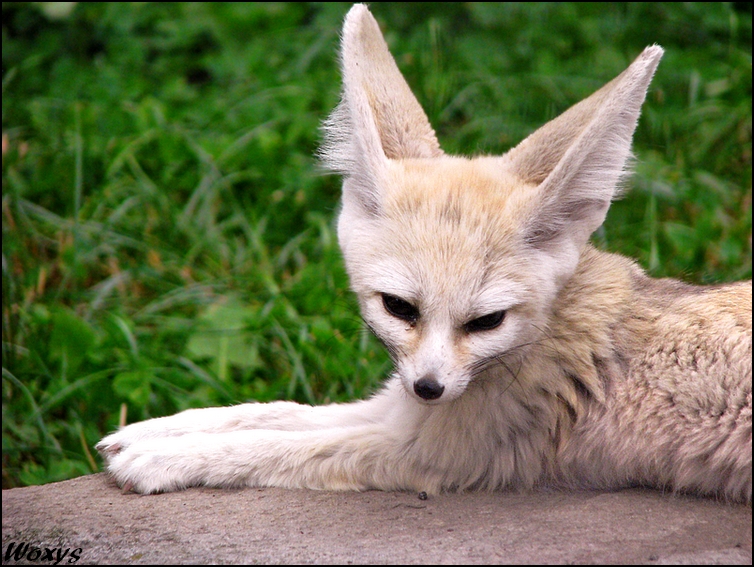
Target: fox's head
x=456, y=261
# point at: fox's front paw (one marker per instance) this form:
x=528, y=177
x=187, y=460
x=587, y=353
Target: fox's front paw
x=109, y=446
x=151, y=466
x=117, y=442
x=151, y=429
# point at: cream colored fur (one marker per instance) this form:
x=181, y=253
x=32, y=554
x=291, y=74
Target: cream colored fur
x=523, y=356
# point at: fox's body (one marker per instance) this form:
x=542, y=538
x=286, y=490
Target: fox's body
x=523, y=355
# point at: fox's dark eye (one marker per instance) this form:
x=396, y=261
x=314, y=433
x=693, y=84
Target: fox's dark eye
x=399, y=308
x=485, y=323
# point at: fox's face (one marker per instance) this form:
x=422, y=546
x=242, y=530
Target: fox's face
x=456, y=261
x=442, y=274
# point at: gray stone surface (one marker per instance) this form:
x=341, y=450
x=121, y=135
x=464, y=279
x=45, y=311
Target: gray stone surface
x=299, y=526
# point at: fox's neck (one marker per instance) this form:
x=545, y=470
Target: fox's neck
x=589, y=317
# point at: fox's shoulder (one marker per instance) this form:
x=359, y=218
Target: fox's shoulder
x=611, y=310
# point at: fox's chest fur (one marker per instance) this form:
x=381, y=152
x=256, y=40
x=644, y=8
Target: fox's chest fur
x=523, y=356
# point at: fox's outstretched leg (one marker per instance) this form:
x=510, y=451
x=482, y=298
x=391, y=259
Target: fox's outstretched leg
x=349, y=458
x=354, y=446
x=285, y=416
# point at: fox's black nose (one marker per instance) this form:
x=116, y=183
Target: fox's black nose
x=427, y=388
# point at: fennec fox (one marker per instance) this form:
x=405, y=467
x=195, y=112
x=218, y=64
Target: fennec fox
x=523, y=356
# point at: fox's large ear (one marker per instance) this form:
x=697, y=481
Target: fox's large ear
x=578, y=159
x=378, y=117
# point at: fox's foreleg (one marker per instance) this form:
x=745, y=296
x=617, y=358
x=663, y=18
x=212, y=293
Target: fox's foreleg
x=352, y=446
x=348, y=458
x=284, y=416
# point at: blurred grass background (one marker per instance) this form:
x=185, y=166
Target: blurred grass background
x=168, y=239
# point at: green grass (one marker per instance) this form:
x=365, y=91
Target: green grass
x=168, y=237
